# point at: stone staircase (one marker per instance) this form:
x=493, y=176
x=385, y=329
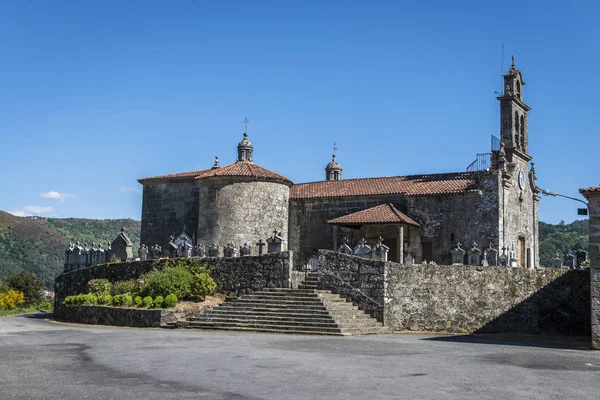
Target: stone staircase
x=299, y=311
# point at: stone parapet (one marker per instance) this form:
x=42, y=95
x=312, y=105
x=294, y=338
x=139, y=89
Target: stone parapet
x=470, y=299
x=593, y=195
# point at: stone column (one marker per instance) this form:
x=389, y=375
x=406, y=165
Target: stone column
x=593, y=195
x=400, y=244
x=335, y=244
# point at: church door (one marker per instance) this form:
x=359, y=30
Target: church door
x=392, y=243
x=427, y=251
x=521, y=251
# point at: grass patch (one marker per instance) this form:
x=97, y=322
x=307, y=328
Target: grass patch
x=19, y=311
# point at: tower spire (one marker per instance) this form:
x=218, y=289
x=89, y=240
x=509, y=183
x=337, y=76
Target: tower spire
x=333, y=170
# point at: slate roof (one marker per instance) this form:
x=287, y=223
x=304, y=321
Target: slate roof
x=239, y=168
x=593, y=189
x=381, y=214
x=413, y=185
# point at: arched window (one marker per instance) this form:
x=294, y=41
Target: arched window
x=519, y=89
x=522, y=133
x=517, y=129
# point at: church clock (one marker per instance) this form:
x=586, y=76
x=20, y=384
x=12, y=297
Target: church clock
x=521, y=179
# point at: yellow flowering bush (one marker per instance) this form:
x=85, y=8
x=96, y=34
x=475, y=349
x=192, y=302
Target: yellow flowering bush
x=11, y=299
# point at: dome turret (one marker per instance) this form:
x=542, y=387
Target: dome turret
x=245, y=147
x=333, y=170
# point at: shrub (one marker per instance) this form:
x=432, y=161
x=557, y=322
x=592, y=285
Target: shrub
x=28, y=284
x=127, y=300
x=11, y=299
x=202, y=285
x=69, y=301
x=175, y=280
x=158, y=301
x=89, y=298
x=105, y=300
x=125, y=287
x=147, y=301
x=170, y=301
x=99, y=287
x=46, y=306
x=137, y=301
x=117, y=300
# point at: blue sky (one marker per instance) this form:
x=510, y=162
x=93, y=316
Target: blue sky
x=94, y=95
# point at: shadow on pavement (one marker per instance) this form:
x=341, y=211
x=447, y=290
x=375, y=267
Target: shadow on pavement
x=542, y=341
x=40, y=315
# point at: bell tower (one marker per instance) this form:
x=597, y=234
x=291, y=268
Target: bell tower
x=513, y=113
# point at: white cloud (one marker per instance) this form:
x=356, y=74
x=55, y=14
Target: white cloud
x=129, y=189
x=31, y=210
x=54, y=195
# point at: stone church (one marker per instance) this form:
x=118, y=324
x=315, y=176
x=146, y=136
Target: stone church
x=491, y=208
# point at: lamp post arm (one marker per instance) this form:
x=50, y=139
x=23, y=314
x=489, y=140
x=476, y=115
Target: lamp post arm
x=550, y=193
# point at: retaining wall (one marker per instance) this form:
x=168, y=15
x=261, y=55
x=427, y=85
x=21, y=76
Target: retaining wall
x=233, y=275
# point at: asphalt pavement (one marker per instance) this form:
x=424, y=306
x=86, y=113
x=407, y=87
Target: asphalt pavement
x=40, y=359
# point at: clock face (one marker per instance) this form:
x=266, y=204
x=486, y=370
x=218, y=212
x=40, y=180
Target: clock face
x=521, y=179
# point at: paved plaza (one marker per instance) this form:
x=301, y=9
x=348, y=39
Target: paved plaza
x=40, y=359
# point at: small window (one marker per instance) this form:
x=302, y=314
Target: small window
x=519, y=89
x=517, y=122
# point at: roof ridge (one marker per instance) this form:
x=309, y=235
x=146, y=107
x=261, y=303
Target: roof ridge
x=463, y=173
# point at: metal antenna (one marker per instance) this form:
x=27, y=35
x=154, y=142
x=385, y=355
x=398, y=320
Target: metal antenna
x=502, y=71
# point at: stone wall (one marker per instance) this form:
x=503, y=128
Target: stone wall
x=446, y=220
x=468, y=299
x=233, y=275
x=238, y=212
x=115, y=316
x=520, y=211
x=593, y=196
x=167, y=208
x=356, y=279
x=308, y=227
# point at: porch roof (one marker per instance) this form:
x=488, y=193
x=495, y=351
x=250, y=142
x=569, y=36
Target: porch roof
x=381, y=214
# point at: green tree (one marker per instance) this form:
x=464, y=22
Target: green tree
x=27, y=283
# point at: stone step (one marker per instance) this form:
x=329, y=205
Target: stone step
x=340, y=319
x=264, y=330
x=248, y=324
x=275, y=306
x=326, y=323
x=257, y=308
x=275, y=300
x=284, y=295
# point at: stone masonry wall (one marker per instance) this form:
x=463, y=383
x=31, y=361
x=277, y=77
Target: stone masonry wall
x=308, y=227
x=238, y=212
x=520, y=216
x=468, y=299
x=233, y=275
x=355, y=278
x=446, y=220
x=594, y=228
x=166, y=209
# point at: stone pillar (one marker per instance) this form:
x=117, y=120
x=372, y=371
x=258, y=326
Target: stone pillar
x=593, y=196
x=335, y=243
x=400, y=250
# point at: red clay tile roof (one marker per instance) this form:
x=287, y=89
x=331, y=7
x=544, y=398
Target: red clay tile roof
x=242, y=168
x=414, y=185
x=592, y=189
x=180, y=175
x=235, y=169
x=381, y=214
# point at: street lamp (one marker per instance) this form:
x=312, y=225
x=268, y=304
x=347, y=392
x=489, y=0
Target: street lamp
x=580, y=211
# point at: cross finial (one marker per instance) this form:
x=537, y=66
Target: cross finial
x=334, y=148
x=246, y=126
